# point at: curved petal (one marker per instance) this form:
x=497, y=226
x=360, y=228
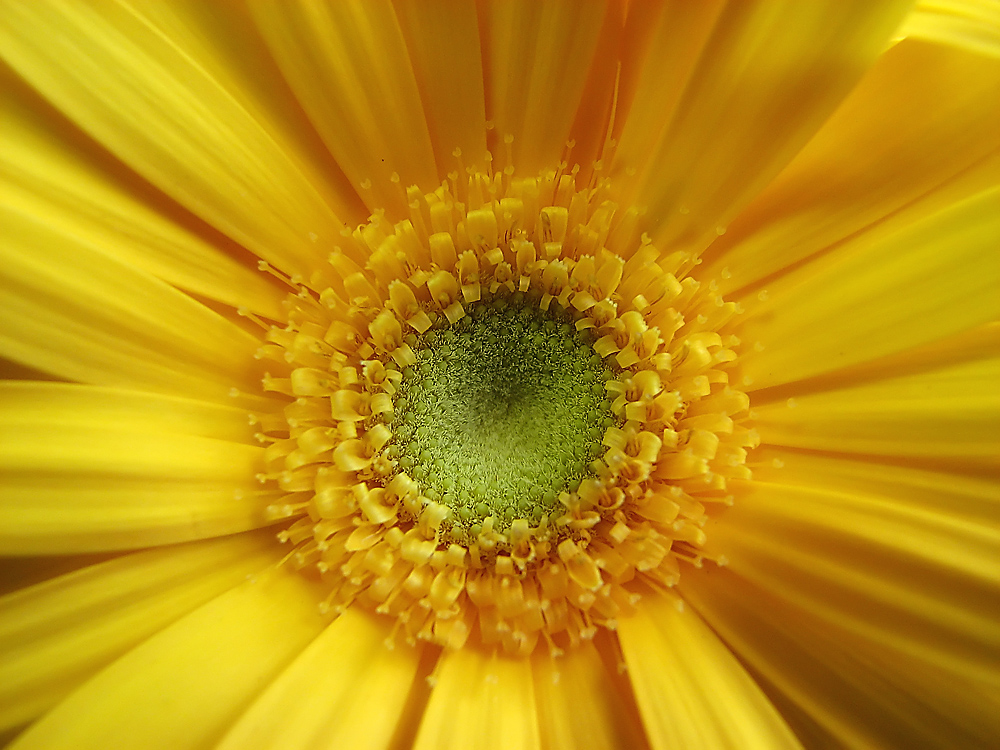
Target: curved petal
x=662, y=44
x=480, y=702
x=857, y=693
x=766, y=80
x=90, y=469
x=73, y=311
x=184, y=686
x=907, y=559
x=347, y=62
x=49, y=170
x=347, y=689
x=968, y=24
x=949, y=414
x=443, y=43
x=691, y=691
x=57, y=634
x=883, y=292
x=138, y=80
x=537, y=56
x=581, y=705
x=921, y=116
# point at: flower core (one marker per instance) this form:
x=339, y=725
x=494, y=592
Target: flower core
x=501, y=413
x=506, y=415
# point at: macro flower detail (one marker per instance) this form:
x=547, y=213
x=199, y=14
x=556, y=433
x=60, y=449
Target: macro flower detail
x=507, y=452
x=499, y=374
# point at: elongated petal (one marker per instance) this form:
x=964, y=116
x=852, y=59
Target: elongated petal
x=945, y=414
x=70, y=310
x=186, y=685
x=661, y=47
x=905, y=557
x=139, y=79
x=884, y=292
x=691, y=691
x=346, y=690
x=536, y=58
x=88, y=469
x=57, y=634
x=581, y=705
x=922, y=115
x=480, y=702
x=968, y=24
x=851, y=691
x=443, y=44
x=766, y=80
x=52, y=172
x=348, y=65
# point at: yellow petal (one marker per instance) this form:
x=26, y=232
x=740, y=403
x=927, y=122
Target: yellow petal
x=144, y=81
x=592, y=133
x=57, y=634
x=894, y=558
x=480, y=702
x=346, y=690
x=87, y=469
x=186, y=685
x=946, y=415
x=766, y=80
x=944, y=520
x=692, y=692
x=881, y=293
x=661, y=47
x=968, y=24
x=348, y=65
x=582, y=705
x=536, y=59
x=88, y=194
x=443, y=44
x=849, y=691
x=70, y=310
x=922, y=115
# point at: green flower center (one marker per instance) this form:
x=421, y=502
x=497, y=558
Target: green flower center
x=502, y=412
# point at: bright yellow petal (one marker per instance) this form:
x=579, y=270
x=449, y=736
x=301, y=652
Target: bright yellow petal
x=885, y=560
x=443, y=44
x=902, y=505
x=536, y=57
x=57, y=634
x=884, y=292
x=602, y=91
x=137, y=79
x=480, y=702
x=89, y=469
x=969, y=24
x=71, y=310
x=346, y=690
x=691, y=691
x=72, y=184
x=948, y=414
x=662, y=44
x=922, y=115
x=851, y=691
x=767, y=79
x=348, y=65
x=187, y=684
x=581, y=705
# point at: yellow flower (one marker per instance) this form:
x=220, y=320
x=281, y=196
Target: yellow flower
x=619, y=375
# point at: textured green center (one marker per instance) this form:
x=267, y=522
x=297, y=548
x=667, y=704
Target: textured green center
x=501, y=412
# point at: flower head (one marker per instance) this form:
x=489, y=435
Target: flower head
x=499, y=374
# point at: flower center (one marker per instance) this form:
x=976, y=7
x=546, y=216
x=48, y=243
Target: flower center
x=501, y=413
x=504, y=417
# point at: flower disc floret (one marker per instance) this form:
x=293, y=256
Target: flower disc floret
x=506, y=414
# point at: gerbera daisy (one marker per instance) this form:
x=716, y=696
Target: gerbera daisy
x=512, y=374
